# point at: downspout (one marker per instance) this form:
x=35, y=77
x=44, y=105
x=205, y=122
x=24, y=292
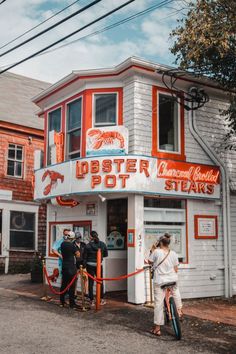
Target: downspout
x=226, y=201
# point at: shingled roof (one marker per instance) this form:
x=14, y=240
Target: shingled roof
x=16, y=104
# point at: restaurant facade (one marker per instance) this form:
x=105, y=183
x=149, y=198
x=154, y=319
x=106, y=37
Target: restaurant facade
x=123, y=156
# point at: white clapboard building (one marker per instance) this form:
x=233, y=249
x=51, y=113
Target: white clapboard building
x=135, y=151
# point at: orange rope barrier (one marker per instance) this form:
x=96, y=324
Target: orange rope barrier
x=118, y=278
x=51, y=287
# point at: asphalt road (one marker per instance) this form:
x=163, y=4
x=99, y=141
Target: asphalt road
x=31, y=326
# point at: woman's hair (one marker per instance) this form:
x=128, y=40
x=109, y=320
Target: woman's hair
x=165, y=239
x=94, y=235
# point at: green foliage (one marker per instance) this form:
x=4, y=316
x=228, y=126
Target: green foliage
x=205, y=43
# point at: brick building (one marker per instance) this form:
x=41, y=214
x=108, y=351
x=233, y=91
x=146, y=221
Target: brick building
x=22, y=221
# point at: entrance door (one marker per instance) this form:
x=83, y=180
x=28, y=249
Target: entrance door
x=116, y=238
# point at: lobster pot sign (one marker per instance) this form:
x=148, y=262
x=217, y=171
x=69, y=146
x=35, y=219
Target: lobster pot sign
x=111, y=140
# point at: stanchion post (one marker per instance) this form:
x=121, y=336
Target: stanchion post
x=82, y=287
x=98, y=285
x=44, y=282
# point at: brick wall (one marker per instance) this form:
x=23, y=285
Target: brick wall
x=22, y=190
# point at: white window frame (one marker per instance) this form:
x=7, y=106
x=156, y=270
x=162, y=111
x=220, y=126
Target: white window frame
x=50, y=111
x=66, y=127
x=93, y=109
x=179, y=125
x=16, y=160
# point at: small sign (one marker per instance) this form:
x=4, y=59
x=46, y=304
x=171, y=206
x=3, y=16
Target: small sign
x=206, y=226
x=91, y=209
x=131, y=237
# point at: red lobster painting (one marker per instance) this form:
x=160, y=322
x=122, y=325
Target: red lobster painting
x=54, y=177
x=105, y=137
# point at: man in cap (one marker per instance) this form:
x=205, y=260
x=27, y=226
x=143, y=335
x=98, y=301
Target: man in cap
x=81, y=260
x=56, y=248
x=68, y=252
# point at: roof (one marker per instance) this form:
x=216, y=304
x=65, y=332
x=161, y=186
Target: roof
x=133, y=62
x=16, y=104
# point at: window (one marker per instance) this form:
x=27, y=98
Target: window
x=74, y=114
x=168, y=124
x=105, y=109
x=116, y=224
x=22, y=230
x=15, y=160
x=54, y=123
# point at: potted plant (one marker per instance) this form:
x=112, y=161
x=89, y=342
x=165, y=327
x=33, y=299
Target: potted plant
x=36, y=271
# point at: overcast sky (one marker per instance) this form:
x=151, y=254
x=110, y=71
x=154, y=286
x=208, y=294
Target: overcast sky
x=146, y=36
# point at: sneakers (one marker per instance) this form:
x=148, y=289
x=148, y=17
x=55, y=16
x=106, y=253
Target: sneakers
x=74, y=307
x=92, y=303
x=103, y=302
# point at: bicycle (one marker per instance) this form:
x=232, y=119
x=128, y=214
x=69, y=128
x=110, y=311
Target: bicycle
x=171, y=313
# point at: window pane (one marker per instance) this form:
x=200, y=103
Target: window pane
x=55, y=120
x=18, y=171
x=22, y=226
x=168, y=123
x=74, y=114
x=74, y=156
x=10, y=168
x=11, y=153
x=19, y=153
x=22, y=239
x=74, y=141
x=105, y=109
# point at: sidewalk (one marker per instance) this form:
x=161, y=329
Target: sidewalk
x=217, y=310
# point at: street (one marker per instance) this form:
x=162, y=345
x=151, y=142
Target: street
x=31, y=326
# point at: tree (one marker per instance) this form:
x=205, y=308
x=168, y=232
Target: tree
x=205, y=43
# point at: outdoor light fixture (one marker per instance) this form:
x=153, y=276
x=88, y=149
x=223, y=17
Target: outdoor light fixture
x=102, y=198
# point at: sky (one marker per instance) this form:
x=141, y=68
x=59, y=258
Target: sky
x=146, y=36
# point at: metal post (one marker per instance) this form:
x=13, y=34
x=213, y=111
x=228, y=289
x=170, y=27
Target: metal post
x=44, y=297
x=82, y=287
x=98, y=285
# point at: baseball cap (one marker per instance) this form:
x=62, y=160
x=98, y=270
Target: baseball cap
x=71, y=235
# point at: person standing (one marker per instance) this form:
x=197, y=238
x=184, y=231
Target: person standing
x=81, y=260
x=91, y=262
x=56, y=248
x=165, y=264
x=68, y=252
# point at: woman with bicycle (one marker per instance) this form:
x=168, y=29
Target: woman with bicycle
x=165, y=266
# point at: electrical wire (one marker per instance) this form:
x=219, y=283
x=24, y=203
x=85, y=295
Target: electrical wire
x=51, y=27
x=2, y=2
x=68, y=36
x=39, y=24
x=116, y=24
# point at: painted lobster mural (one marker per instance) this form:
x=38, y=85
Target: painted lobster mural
x=105, y=138
x=54, y=177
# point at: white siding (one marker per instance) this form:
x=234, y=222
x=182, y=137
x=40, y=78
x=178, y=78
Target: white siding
x=233, y=237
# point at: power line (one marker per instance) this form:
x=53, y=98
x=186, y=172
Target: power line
x=51, y=27
x=2, y=2
x=68, y=36
x=116, y=24
x=39, y=24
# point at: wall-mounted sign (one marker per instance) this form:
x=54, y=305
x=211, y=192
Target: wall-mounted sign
x=131, y=238
x=91, y=209
x=115, y=241
x=111, y=140
x=205, y=226
x=128, y=173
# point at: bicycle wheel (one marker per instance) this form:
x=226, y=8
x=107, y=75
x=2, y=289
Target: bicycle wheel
x=175, y=319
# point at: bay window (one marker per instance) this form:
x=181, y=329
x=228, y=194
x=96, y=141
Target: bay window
x=105, y=109
x=74, y=114
x=54, y=123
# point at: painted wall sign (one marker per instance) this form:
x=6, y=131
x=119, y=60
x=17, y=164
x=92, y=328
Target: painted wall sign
x=131, y=238
x=206, y=226
x=130, y=173
x=111, y=140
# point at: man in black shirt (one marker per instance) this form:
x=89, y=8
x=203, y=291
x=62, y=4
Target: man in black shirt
x=91, y=262
x=68, y=252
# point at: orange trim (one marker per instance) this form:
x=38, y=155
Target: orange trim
x=67, y=202
x=74, y=223
x=155, y=107
x=196, y=229
x=21, y=129
x=45, y=140
x=131, y=244
x=186, y=232
x=94, y=77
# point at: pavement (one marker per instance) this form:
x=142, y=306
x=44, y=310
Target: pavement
x=29, y=325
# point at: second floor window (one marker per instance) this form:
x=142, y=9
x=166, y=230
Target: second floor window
x=105, y=109
x=54, y=123
x=15, y=160
x=74, y=110
x=168, y=127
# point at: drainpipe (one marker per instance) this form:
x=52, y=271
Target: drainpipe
x=226, y=201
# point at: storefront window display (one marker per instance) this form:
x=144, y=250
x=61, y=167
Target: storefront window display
x=116, y=224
